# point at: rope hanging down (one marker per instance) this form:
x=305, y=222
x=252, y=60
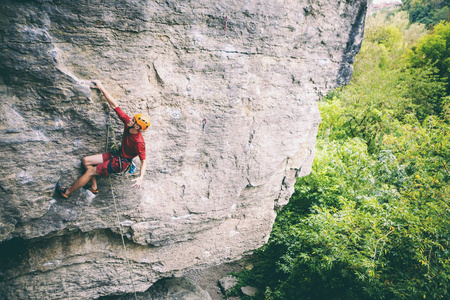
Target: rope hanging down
x=123, y=240
x=117, y=212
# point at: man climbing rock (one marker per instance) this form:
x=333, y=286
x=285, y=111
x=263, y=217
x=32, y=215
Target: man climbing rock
x=133, y=145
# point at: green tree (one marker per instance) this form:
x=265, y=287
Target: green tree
x=428, y=12
x=361, y=227
x=433, y=51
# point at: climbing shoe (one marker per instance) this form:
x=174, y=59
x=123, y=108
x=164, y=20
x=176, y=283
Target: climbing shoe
x=95, y=192
x=61, y=190
x=89, y=188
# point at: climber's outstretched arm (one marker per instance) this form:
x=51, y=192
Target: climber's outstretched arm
x=138, y=181
x=112, y=102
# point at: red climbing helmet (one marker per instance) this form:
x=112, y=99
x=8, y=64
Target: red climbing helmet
x=142, y=120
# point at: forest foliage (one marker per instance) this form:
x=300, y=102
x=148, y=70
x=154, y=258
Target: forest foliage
x=428, y=12
x=372, y=220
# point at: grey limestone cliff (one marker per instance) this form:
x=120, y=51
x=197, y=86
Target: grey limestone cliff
x=231, y=88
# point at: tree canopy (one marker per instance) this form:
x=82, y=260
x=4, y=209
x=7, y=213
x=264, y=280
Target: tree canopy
x=428, y=12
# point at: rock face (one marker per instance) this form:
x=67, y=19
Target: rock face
x=231, y=88
x=167, y=289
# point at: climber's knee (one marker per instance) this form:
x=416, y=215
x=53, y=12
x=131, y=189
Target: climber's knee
x=84, y=162
x=91, y=171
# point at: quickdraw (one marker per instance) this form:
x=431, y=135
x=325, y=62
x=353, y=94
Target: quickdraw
x=204, y=125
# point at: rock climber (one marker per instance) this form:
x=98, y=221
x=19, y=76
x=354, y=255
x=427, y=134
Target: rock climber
x=133, y=145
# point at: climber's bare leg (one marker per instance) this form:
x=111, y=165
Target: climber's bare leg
x=90, y=173
x=89, y=161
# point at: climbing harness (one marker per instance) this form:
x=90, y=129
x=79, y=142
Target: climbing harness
x=131, y=168
x=115, y=205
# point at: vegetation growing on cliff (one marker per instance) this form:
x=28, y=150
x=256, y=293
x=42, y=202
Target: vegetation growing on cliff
x=372, y=221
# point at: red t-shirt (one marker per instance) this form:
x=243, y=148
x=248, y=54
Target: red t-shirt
x=132, y=144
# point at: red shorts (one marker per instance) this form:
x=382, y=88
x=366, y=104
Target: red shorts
x=102, y=168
